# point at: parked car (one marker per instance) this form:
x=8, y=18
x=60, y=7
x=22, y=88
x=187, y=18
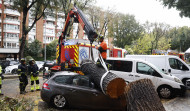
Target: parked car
x=69, y=89
x=11, y=69
x=40, y=65
x=129, y=69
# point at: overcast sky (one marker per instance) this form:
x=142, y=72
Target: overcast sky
x=144, y=10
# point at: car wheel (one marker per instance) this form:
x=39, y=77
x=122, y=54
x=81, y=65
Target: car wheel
x=165, y=92
x=14, y=71
x=184, y=81
x=59, y=101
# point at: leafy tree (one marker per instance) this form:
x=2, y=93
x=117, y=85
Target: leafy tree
x=34, y=48
x=67, y=5
x=180, y=38
x=126, y=29
x=142, y=45
x=159, y=30
x=37, y=8
x=181, y=5
x=100, y=19
x=51, y=48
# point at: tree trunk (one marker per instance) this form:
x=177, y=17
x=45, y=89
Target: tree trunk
x=21, y=51
x=141, y=96
x=111, y=84
x=137, y=96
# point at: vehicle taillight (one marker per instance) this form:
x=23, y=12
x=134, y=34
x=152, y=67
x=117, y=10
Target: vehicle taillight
x=45, y=86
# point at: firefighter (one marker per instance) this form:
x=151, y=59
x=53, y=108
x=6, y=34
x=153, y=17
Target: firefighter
x=1, y=77
x=103, y=47
x=34, y=73
x=22, y=71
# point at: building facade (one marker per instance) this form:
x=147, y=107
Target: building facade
x=45, y=30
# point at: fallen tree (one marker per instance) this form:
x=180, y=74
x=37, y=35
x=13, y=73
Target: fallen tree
x=142, y=96
x=109, y=83
x=137, y=96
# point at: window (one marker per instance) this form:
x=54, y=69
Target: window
x=176, y=64
x=63, y=79
x=119, y=65
x=143, y=68
x=81, y=81
x=119, y=53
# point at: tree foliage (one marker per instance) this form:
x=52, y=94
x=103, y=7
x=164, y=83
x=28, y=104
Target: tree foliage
x=181, y=5
x=33, y=49
x=180, y=38
x=51, y=48
x=36, y=8
x=126, y=29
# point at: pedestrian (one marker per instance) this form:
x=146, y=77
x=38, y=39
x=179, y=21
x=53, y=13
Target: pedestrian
x=1, y=77
x=22, y=71
x=34, y=75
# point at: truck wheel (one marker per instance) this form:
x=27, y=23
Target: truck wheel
x=59, y=101
x=165, y=92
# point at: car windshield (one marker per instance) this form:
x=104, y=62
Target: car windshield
x=14, y=62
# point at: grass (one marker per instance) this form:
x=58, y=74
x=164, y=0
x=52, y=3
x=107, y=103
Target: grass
x=11, y=104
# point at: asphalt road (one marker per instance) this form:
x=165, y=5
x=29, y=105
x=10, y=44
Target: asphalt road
x=11, y=89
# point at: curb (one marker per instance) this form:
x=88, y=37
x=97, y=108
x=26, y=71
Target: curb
x=14, y=76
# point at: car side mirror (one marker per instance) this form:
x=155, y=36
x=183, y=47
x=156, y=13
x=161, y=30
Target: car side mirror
x=169, y=70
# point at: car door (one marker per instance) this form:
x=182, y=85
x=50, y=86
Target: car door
x=144, y=71
x=177, y=67
x=123, y=69
x=85, y=96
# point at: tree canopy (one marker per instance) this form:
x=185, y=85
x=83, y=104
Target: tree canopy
x=126, y=29
x=181, y=5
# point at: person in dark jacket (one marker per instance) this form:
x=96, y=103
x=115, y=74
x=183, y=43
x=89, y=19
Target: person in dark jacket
x=34, y=74
x=22, y=71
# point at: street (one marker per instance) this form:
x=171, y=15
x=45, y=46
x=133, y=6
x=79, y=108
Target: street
x=11, y=89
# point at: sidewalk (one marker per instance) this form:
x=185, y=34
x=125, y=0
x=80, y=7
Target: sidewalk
x=13, y=76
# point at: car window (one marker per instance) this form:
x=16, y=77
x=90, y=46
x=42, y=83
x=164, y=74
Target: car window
x=64, y=79
x=176, y=64
x=143, y=68
x=119, y=65
x=81, y=81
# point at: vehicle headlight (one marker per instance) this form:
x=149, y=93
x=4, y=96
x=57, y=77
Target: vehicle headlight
x=177, y=80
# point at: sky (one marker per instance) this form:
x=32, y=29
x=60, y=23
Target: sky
x=146, y=10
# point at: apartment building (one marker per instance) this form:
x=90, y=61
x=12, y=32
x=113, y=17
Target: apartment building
x=45, y=30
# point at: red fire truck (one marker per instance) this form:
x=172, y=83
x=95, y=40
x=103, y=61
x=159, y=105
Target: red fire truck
x=71, y=52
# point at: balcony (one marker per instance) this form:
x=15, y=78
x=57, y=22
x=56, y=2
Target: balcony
x=8, y=3
x=8, y=21
x=49, y=26
x=11, y=12
x=9, y=50
x=11, y=39
x=49, y=18
x=11, y=30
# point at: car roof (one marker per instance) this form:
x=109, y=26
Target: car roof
x=65, y=73
x=125, y=59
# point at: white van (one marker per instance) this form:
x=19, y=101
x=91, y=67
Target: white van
x=167, y=86
x=168, y=64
